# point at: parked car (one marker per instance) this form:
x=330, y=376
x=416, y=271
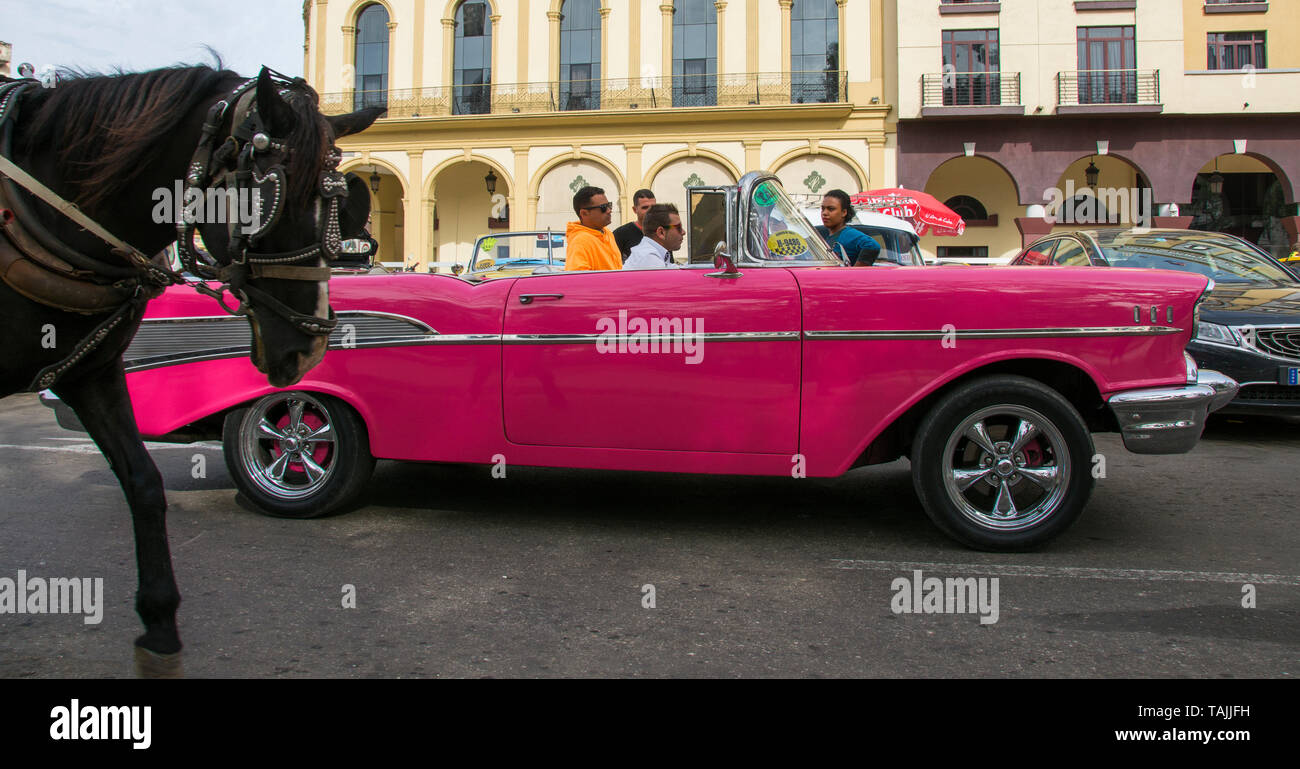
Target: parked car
x=1250, y=326
x=762, y=356
x=512, y=254
x=898, y=239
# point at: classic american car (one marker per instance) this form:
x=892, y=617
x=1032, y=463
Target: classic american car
x=761, y=356
x=1249, y=326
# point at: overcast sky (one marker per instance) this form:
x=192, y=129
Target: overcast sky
x=135, y=35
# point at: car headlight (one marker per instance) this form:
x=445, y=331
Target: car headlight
x=1213, y=332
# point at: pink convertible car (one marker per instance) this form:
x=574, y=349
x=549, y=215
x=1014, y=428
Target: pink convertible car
x=759, y=355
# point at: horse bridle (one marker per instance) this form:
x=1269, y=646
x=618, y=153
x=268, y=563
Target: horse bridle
x=211, y=167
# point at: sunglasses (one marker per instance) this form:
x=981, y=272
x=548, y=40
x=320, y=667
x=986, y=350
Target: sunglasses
x=603, y=208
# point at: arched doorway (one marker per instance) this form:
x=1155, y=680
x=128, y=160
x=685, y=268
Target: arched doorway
x=1242, y=196
x=807, y=178
x=1101, y=190
x=985, y=196
x=387, y=210
x=556, y=189
x=472, y=200
x=670, y=182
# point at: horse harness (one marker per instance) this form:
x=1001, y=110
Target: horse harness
x=42, y=268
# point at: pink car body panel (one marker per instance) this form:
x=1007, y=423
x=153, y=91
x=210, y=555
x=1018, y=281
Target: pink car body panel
x=495, y=380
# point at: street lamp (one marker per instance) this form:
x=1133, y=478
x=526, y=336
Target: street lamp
x=374, y=181
x=1092, y=173
x=1216, y=180
x=491, y=181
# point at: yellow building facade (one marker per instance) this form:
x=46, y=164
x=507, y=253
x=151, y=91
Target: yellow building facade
x=1193, y=103
x=536, y=98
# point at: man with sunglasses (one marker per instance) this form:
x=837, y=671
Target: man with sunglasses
x=589, y=243
x=663, y=236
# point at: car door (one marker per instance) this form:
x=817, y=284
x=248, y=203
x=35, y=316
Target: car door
x=672, y=359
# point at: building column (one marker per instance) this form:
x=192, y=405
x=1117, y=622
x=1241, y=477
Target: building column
x=414, y=239
x=753, y=149
x=519, y=193
x=785, y=34
x=604, y=52
x=350, y=63
x=417, y=58
x=553, y=68
x=494, y=75
x=321, y=38
x=448, y=62
x=721, y=6
x=392, y=54
x=666, y=45
x=532, y=212
x=428, y=212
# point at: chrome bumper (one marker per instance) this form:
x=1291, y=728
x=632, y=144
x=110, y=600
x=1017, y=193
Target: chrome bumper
x=1169, y=420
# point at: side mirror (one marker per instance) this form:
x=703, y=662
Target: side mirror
x=457, y=269
x=722, y=261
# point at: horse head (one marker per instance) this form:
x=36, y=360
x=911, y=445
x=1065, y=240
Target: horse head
x=270, y=152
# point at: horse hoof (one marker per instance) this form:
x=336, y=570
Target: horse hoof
x=153, y=665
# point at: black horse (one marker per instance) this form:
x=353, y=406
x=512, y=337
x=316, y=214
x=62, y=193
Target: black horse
x=110, y=145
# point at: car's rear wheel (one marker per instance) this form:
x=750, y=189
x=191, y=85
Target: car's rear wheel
x=298, y=454
x=1003, y=463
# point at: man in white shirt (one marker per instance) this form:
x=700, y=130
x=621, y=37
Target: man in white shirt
x=663, y=235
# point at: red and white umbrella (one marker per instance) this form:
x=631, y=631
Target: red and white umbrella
x=924, y=211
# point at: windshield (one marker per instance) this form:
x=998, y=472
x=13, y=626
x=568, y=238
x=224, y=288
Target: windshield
x=518, y=251
x=1224, y=260
x=778, y=232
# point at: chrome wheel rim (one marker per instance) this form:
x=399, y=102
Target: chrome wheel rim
x=1006, y=468
x=288, y=445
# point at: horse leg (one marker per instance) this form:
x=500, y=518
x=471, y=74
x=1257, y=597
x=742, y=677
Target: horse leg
x=101, y=402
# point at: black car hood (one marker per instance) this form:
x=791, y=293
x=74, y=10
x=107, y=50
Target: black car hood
x=1254, y=304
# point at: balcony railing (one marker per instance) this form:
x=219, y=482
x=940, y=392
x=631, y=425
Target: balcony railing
x=970, y=89
x=738, y=89
x=1108, y=86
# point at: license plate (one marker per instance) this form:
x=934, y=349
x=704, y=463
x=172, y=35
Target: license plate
x=1289, y=375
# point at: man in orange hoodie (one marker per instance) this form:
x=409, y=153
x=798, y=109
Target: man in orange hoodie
x=590, y=245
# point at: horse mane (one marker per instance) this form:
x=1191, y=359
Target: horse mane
x=104, y=128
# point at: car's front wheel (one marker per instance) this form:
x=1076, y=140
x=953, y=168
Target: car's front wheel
x=298, y=454
x=1003, y=463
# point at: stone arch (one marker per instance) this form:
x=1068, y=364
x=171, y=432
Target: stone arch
x=534, y=186
x=840, y=173
x=496, y=167
x=358, y=6
x=449, y=12
x=556, y=5
x=716, y=157
x=861, y=176
x=352, y=163
x=1288, y=190
x=669, y=175
x=387, y=209
x=988, y=181
x=1121, y=199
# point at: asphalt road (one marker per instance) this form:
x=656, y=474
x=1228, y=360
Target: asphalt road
x=541, y=574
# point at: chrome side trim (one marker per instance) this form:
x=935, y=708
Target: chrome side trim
x=996, y=333
x=738, y=336
x=170, y=341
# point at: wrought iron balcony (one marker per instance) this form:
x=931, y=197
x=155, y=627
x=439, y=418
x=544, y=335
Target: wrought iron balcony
x=738, y=89
x=970, y=89
x=1108, y=86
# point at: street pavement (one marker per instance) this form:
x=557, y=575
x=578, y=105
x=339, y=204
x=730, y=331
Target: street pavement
x=545, y=573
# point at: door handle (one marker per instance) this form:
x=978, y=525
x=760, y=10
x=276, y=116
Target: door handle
x=529, y=298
